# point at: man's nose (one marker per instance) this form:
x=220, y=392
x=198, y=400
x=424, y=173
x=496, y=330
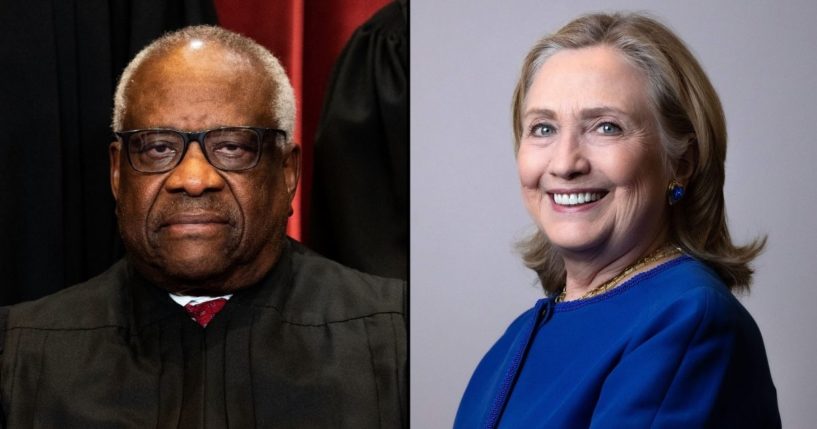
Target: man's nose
x=194, y=175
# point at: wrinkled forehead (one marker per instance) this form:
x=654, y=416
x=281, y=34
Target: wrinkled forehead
x=603, y=66
x=198, y=78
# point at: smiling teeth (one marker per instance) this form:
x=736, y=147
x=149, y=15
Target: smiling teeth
x=575, y=199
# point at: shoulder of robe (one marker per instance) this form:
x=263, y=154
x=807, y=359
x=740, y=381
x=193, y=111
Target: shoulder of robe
x=88, y=305
x=324, y=291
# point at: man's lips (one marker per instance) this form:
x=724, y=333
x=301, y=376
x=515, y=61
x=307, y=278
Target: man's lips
x=193, y=221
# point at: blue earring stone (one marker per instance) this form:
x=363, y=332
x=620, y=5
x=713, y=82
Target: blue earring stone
x=676, y=192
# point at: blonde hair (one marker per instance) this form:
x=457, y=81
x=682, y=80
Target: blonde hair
x=282, y=100
x=689, y=113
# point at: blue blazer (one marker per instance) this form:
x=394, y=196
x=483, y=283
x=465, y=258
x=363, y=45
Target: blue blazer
x=670, y=348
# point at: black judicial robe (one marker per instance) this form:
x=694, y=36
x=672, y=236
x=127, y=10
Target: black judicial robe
x=314, y=345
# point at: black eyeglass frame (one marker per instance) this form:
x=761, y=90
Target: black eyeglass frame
x=197, y=136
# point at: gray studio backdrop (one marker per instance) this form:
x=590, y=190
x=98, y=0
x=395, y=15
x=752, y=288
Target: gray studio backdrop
x=467, y=284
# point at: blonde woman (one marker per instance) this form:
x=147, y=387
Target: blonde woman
x=620, y=143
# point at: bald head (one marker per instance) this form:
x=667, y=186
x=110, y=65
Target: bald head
x=208, y=63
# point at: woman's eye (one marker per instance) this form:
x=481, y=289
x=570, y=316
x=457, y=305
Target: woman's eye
x=608, y=128
x=542, y=130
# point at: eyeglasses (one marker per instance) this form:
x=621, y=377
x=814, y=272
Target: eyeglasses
x=228, y=149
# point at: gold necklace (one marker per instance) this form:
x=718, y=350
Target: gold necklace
x=661, y=253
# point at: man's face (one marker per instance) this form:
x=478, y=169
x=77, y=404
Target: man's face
x=195, y=228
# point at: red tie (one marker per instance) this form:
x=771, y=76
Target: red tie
x=203, y=313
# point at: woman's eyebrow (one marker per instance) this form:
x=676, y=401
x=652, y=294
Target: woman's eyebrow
x=595, y=112
x=591, y=112
x=540, y=112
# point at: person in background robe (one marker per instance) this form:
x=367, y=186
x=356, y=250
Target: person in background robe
x=214, y=318
x=359, y=214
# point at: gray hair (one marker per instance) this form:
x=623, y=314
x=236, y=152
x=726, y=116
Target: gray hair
x=282, y=102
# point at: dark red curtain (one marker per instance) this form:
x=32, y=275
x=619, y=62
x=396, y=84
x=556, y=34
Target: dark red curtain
x=307, y=37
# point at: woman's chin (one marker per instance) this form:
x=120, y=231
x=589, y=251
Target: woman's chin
x=577, y=244
x=576, y=237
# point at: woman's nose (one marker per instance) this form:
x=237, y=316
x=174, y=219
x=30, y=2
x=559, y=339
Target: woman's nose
x=568, y=160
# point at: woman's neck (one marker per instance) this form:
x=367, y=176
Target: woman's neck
x=587, y=271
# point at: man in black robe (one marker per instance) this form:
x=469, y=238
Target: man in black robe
x=214, y=318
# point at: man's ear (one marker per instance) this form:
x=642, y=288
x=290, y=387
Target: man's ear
x=114, y=155
x=292, y=168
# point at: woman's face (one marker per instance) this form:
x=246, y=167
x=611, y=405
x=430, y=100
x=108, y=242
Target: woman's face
x=589, y=158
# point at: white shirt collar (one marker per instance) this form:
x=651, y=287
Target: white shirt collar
x=187, y=299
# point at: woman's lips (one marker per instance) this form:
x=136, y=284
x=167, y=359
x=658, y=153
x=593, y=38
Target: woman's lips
x=574, y=199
